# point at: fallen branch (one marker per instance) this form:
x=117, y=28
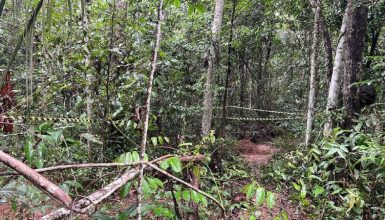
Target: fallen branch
x=98, y=196
x=97, y=165
x=37, y=179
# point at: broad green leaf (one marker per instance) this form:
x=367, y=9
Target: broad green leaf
x=161, y=211
x=160, y=140
x=154, y=141
x=177, y=3
x=203, y=199
x=250, y=189
x=28, y=151
x=125, y=190
x=284, y=215
x=318, y=190
x=270, y=199
x=164, y=164
x=260, y=196
x=186, y=195
x=135, y=156
x=175, y=164
x=194, y=196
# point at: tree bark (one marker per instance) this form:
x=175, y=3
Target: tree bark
x=313, y=74
x=375, y=35
x=327, y=48
x=228, y=73
x=2, y=3
x=335, y=82
x=98, y=196
x=213, y=55
x=148, y=106
x=355, y=45
x=37, y=179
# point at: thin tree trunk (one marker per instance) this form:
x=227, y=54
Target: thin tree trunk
x=88, y=76
x=147, y=107
x=375, y=36
x=213, y=55
x=335, y=82
x=20, y=41
x=326, y=42
x=313, y=74
x=228, y=73
x=327, y=48
x=355, y=45
x=2, y=3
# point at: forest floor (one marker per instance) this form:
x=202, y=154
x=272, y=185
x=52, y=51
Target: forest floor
x=257, y=155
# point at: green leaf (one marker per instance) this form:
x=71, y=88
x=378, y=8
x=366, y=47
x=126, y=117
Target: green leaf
x=160, y=140
x=164, y=164
x=14, y=206
x=166, y=139
x=303, y=191
x=260, y=195
x=154, y=141
x=186, y=195
x=284, y=215
x=125, y=190
x=203, y=200
x=161, y=211
x=28, y=151
x=318, y=190
x=135, y=156
x=296, y=186
x=196, y=172
x=38, y=163
x=175, y=164
x=194, y=196
x=177, y=3
x=152, y=183
x=250, y=189
x=270, y=199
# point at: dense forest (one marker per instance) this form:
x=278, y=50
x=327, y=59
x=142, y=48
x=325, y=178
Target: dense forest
x=192, y=109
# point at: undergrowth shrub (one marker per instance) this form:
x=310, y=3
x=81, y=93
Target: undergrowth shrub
x=341, y=177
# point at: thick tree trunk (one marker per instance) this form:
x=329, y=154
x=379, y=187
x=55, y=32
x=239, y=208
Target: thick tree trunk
x=355, y=45
x=213, y=55
x=335, y=82
x=313, y=74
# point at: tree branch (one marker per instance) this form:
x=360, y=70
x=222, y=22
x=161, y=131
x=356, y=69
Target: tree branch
x=37, y=179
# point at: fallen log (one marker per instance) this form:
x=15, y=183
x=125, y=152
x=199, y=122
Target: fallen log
x=37, y=179
x=98, y=196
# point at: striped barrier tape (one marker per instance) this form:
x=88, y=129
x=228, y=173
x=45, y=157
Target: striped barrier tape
x=263, y=119
x=57, y=119
x=263, y=110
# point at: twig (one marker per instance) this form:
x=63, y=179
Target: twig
x=188, y=185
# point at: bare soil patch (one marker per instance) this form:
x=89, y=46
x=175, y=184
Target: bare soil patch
x=260, y=154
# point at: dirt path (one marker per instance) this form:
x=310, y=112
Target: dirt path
x=257, y=155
